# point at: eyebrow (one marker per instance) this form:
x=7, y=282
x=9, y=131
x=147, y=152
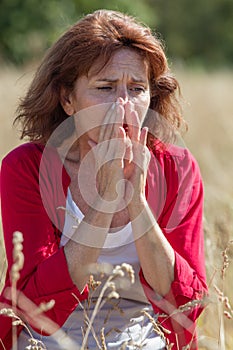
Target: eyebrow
x=115, y=80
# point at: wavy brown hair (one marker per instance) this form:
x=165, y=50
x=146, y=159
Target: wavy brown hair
x=99, y=34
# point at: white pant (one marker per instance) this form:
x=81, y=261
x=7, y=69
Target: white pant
x=129, y=327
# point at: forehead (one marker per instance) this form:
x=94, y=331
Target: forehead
x=121, y=60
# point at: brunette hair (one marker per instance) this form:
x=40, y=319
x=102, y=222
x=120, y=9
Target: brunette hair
x=96, y=35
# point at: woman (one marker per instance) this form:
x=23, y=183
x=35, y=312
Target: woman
x=100, y=115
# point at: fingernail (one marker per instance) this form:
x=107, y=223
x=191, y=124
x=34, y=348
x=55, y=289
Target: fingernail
x=119, y=100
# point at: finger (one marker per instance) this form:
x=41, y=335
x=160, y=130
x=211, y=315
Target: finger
x=143, y=136
x=129, y=152
x=132, y=121
x=126, y=140
x=114, y=118
x=112, y=149
x=117, y=147
x=105, y=124
x=121, y=133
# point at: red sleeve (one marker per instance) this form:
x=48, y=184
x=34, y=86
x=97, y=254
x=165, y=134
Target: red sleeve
x=45, y=273
x=174, y=178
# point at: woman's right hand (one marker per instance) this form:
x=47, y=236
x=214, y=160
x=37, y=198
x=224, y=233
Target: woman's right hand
x=109, y=154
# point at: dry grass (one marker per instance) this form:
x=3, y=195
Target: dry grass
x=208, y=107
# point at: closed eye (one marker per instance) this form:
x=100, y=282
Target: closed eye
x=104, y=88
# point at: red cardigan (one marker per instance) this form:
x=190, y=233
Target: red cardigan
x=34, y=186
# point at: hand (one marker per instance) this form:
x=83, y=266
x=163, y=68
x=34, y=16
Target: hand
x=135, y=169
x=109, y=153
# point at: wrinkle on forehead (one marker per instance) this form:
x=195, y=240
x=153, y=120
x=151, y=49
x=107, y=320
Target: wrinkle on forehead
x=117, y=61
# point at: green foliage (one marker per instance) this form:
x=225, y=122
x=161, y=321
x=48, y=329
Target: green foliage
x=25, y=28
x=28, y=27
x=199, y=31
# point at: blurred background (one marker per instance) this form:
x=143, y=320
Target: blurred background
x=198, y=39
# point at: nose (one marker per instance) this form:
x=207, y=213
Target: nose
x=122, y=92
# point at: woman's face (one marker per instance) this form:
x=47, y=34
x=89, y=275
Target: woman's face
x=125, y=76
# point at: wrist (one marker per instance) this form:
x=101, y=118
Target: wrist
x=141, y=217
x=137, y=204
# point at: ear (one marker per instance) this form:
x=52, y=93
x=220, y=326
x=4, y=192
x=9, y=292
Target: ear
x=66, y=101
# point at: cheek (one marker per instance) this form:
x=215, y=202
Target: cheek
x=89, y=120
x=142, y=107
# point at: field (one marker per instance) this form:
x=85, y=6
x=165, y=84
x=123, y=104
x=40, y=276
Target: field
x=208, y=109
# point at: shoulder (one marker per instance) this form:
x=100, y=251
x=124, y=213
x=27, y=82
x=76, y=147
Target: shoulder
x=34, y=163
x=171, y=151
x=176, y=164
x=173, y=154
x=30, y=155
x=21, y=166
x=27, y=152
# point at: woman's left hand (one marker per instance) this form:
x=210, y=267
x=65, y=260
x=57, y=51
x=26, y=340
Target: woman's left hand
x=138, y=158
x=155, y=253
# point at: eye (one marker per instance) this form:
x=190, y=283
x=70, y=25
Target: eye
x=138, y=89
x=104, y=87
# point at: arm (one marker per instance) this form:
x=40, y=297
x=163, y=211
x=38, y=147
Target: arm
x=32, y=190
x=180, y=219
x=155, y=254
x=44, y=275
x=105, y=161
x=30, y=198
x=179, y=186
x=168, y=232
